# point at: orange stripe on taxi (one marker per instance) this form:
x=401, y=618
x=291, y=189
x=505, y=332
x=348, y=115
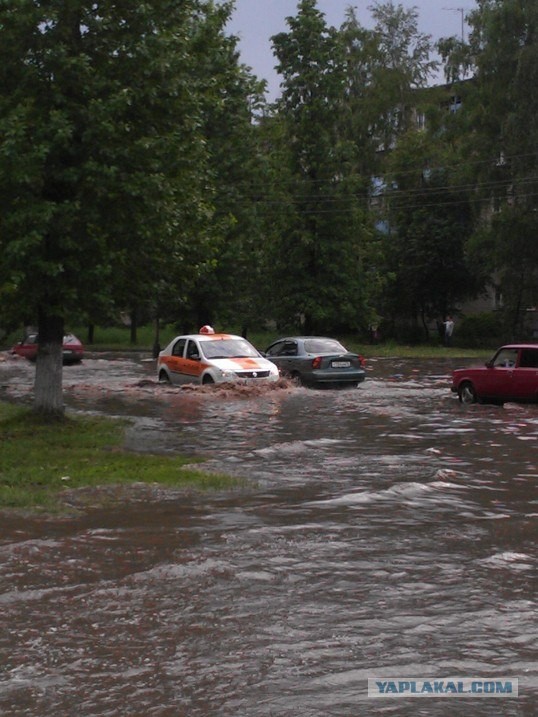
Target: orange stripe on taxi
x=248, y=363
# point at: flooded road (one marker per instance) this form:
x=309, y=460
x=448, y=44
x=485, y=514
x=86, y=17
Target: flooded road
x=384, y=532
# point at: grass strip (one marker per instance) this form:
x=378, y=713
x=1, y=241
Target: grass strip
x=40, y=461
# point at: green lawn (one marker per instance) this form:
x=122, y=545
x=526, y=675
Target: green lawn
x=39, y=462
x=117, y=338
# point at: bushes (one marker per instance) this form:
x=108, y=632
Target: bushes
x=480, y=331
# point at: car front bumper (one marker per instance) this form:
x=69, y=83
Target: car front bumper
x=261, y=376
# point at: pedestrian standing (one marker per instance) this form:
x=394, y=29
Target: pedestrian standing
x=449, y=330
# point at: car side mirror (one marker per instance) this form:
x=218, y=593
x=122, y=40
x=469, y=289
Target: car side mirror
x=489, y=364
x=195, y=357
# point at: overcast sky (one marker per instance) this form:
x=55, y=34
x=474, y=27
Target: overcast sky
x=255, y=21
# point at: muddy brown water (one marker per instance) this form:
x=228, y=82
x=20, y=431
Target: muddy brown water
x=385, y=531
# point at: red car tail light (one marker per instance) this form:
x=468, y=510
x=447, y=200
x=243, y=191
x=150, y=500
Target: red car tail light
x=316, y=363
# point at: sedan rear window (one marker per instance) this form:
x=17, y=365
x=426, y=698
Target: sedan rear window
x=323, y=346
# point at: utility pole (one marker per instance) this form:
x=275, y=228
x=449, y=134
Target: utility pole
x=461, y=10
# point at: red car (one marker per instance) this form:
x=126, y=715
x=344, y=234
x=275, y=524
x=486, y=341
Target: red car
x=511, y=375
x=73, y=350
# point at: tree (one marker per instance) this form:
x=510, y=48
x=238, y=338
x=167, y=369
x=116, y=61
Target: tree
x=102, y=162
x=430, y=213
x=229, y=288
x=398, y=56
x=500, y=149
x=385, y=69
x=318, y=260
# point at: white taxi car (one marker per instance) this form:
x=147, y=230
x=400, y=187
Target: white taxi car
x=208, y=357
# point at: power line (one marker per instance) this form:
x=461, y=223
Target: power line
x=397, y=193
x=467, y=201
x=493, y=161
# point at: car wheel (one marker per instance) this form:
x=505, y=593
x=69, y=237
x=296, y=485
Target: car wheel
x=208, y=379
x=466, y=393
x=163, y=377
x=297, y=378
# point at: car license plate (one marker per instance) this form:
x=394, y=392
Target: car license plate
x=340, y=364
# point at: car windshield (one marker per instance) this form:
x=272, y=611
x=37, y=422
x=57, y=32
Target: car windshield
x=506, y=358
x=323, y=346
x=228, y=348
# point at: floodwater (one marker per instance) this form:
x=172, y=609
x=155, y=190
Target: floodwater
x=385, y=532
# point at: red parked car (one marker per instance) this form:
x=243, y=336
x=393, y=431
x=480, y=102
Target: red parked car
x=511, y=375
x=73, y=350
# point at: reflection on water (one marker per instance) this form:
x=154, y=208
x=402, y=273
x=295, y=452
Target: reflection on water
x=387, y=532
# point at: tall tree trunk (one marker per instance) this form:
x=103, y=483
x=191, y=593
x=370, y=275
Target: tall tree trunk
x=156, y=340
x=48, y=394
x=308, y=324
x=424, y=324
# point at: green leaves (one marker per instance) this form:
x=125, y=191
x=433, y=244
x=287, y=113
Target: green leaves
x=101, y=146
